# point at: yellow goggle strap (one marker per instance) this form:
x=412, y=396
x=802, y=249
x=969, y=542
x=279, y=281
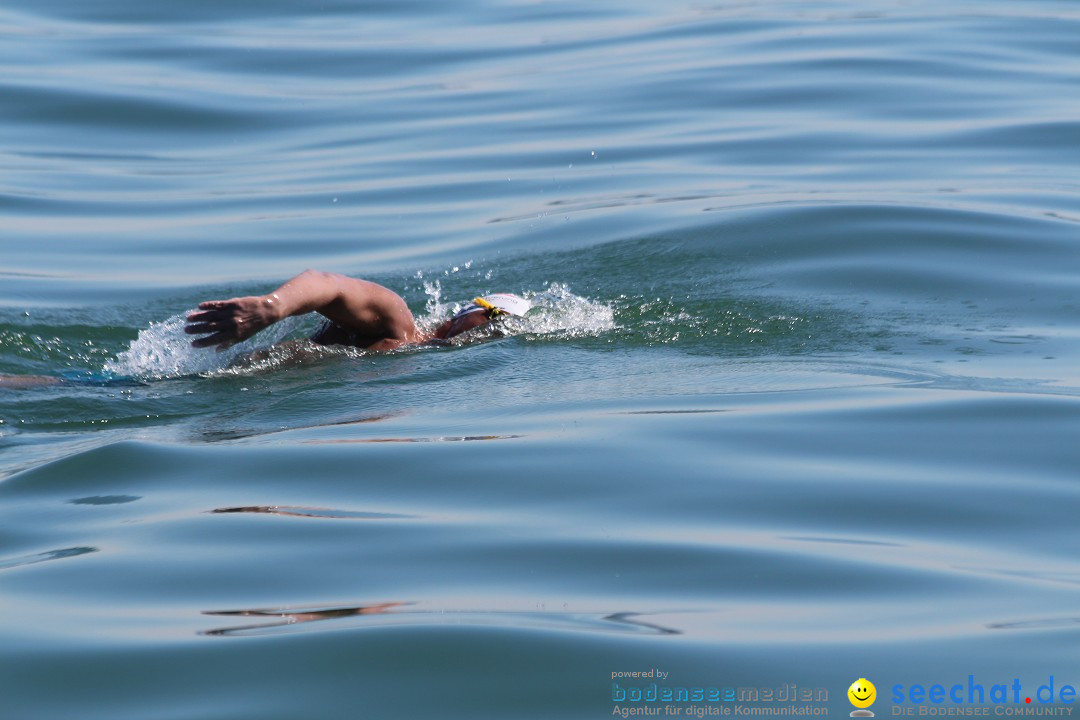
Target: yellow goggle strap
x=492, y=311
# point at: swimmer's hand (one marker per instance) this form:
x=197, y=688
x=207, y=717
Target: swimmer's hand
x=227, y=322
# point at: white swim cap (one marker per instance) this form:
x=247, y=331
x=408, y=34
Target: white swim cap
x=508, y=302
x=497, y=304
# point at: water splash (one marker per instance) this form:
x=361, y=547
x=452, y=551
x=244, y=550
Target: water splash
x=556, y=313
x=559, y=313
x=163, y=350
x=434, y=305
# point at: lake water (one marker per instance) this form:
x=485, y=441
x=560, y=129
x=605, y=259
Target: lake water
x=798, y=403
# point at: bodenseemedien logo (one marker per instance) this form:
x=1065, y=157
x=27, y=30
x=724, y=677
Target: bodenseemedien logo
x=862, y=695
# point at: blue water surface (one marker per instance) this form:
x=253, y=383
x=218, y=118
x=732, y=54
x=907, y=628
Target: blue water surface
x=797, y=403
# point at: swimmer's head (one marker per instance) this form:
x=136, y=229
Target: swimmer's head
x=481, y=311
x=497, y=304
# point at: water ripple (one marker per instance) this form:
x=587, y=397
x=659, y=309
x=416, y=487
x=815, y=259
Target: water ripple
x=393, y=614
x=8, y=563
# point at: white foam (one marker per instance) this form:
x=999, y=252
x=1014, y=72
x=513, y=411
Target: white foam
x=164, y=350
x=560, y=313
x=556, y=313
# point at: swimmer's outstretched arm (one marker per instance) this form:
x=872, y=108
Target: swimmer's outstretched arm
x=364, y=307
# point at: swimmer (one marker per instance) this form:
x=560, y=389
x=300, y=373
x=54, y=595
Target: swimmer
x=358, y=313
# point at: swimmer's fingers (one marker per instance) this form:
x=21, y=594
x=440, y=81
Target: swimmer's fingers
x=221, y=333
x=204, y=323
x=223, y=340
x=207, y=329
x=217, y=319
x=214, y=310
x=212, y=324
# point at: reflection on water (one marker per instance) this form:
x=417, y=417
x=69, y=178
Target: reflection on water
x=42, y=557
x=105, y=500
x=287, y=619
x=1043, y=623
x=306, y=512
x=292, y=617
x=242, y=434
x=455, y=438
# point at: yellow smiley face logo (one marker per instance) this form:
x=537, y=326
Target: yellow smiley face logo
x=862, y=693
